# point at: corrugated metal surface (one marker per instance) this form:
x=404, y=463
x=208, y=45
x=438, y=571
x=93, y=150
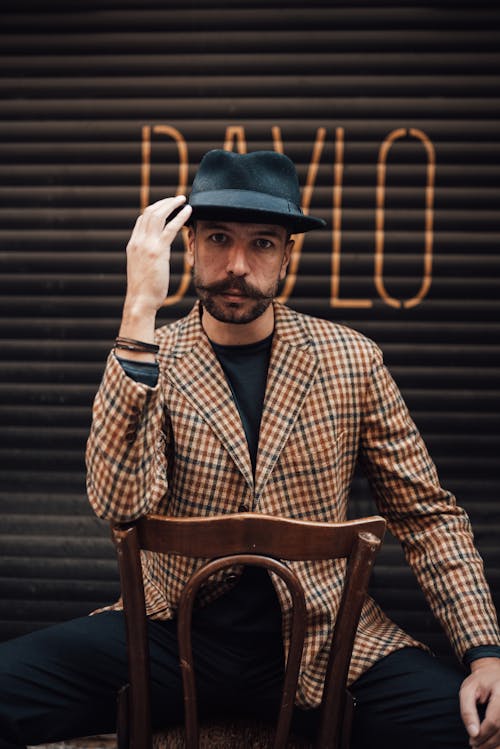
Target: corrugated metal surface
x=391, y=111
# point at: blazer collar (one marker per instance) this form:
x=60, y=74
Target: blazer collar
x=195, y=371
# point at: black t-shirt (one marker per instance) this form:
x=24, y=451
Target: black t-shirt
x=246, y=368
x=251, y=608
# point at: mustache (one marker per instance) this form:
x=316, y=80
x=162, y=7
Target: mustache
x=233, y=284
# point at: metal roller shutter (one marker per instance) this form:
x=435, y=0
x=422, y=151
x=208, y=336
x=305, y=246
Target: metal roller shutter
x=391, y=111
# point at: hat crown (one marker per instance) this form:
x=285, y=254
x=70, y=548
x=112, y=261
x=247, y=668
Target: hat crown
x=265, y=172
x=256, y=187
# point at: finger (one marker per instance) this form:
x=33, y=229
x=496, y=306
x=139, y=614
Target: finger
x=156, y=214
x=136, y=232
x=468, y=711
x=176, y=223
x=489, y=732
x=137, y=224
x=488, y=742
x=164, y=204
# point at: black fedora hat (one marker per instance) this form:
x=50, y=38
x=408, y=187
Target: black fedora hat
x=258, y=187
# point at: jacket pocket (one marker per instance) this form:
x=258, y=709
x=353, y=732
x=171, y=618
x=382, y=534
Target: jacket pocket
x=307, y=481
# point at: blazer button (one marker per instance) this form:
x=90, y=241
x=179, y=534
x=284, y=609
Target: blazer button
x=231, y=578
x=130, y=435
x=244, y=507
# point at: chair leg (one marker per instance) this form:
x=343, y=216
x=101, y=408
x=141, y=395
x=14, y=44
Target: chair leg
x=345, y=736
x=122, y=718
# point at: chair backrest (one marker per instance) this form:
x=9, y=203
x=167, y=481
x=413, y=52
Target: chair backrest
x=246, y=539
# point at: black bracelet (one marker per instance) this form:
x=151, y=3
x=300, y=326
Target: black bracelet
x=128, y=347
x=130, y=344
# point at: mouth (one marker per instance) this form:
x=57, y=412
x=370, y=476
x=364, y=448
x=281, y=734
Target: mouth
x=233, y=295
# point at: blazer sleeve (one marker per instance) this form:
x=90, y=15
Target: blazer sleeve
x=127, y=448
x=434, y=531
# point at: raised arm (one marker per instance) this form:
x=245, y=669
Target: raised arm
x=148, y=269
x=126, y=455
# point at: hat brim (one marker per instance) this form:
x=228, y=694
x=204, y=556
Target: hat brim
x=251, y=207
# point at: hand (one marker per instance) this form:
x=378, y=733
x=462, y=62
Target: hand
x=148, y=266
x=148, y=251
x=482, y=686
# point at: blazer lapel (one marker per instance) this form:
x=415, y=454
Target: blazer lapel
x=195, y=371
x=290, y=377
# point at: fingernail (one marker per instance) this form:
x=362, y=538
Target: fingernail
x=473, y=729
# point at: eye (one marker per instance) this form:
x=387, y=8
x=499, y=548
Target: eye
x=264, y=244
x=218, y=238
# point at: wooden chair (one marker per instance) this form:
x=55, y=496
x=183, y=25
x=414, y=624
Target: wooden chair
x=243, y=539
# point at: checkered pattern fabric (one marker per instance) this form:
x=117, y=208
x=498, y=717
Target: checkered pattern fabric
x=180, y=449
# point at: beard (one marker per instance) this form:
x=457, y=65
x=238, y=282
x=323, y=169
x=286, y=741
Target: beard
x=232, y=312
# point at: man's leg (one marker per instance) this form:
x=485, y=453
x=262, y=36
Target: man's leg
x=409, y=699
x=62, y=682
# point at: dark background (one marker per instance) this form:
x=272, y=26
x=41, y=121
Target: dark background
x=80, y=82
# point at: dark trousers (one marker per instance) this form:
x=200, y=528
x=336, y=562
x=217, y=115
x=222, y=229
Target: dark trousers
x=61, y=682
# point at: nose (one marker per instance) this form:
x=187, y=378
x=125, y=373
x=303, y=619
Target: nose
x=237, y=261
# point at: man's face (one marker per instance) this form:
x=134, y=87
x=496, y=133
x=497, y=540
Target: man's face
x=237, y=267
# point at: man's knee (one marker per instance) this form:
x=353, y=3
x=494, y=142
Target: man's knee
x=61, y=681
x=409, y=699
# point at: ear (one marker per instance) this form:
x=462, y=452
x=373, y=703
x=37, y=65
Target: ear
x=286, y=258
x=190, y=246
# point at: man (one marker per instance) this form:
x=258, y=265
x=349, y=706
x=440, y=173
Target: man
x=247, y=405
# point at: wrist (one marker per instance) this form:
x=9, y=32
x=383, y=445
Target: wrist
x=138, y=323
x=479, y=652
x=133, y=346
x=138, y=320
x=484, y=662
x=139, y=307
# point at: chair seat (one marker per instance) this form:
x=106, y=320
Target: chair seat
x=237, y=734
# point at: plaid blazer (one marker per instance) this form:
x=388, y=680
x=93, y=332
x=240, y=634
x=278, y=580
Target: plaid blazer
x=180, y=449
